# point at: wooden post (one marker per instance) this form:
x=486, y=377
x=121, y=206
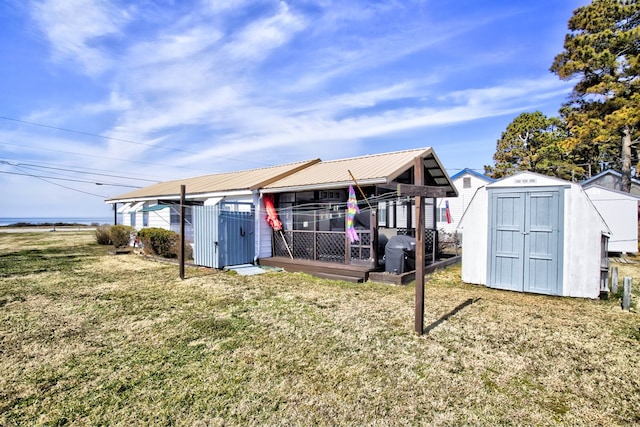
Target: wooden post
x=418, y=166
x=115, y=214
x=614, y=280
x=626, y=297
x=181, y=254
x=434, y=237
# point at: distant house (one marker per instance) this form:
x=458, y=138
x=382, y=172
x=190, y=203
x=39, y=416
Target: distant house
x=611, y=179
x=311, y=201
x=467, y=181
x=620, y=212
x=534, y=233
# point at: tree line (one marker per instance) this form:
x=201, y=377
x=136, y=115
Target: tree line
x=599, y=125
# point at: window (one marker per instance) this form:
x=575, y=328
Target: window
x=441, y=214
x=145, y=219
x=175, y=215
x=466, y=182
x=132, y=219
x=382, y=214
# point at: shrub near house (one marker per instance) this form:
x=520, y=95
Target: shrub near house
x=161, y=242
x=117, y=235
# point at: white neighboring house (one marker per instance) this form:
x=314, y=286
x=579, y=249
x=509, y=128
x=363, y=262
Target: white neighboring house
x=467, y=181
x=620, y=212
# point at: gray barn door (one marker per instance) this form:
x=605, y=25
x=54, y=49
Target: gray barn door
x=236, y=237
x=525, y=245
x=222, y=235
x=205, y=234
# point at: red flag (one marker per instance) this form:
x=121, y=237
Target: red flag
x=448, y=212
x=272, y=214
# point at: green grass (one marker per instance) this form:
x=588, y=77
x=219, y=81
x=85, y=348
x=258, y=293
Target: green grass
x=90, y=338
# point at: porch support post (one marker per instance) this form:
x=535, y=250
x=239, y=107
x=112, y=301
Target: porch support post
x=435, y=233
x=418, y=167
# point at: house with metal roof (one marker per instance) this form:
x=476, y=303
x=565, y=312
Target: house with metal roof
x=312, y=204
x=227, y=212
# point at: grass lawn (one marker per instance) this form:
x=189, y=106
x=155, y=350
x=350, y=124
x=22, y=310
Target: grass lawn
x=89, y=338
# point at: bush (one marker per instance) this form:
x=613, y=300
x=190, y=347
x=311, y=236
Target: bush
x=160, y=242
x=103, y=235
x=120, y=235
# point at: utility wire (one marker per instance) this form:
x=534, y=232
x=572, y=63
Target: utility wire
x=63, y=186
x=69, y=179
x=128, y=141
x=104, y=157
x=36, y=166
x=81, y=169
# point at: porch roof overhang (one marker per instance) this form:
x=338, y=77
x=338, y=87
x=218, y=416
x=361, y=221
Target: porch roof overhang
x=188, y=196
x=368, y=171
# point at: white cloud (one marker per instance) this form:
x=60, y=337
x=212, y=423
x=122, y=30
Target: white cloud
x=256, y=40
x=72, y=26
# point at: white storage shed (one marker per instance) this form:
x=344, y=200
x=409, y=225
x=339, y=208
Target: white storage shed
x=620, y=212
x=534, y=233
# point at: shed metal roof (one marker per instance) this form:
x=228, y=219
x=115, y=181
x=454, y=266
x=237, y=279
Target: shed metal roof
x=225, y=182
x=368, y=170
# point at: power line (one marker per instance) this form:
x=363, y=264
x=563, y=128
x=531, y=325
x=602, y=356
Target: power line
x=35, y=166
x=62, y=186
x=128, y=141
x=80, y=169
x=104, y=157
x=70, y=179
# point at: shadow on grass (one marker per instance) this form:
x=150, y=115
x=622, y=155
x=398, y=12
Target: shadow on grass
x=449, y=314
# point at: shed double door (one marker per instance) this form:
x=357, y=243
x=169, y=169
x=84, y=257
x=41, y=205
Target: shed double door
x=224, y=234
x=525, y=244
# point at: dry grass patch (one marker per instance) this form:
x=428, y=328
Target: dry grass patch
x=99, y=339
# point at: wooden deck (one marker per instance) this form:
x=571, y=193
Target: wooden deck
x=328, y=270
x=351, y=273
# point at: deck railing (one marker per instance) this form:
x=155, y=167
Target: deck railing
x=328, y=246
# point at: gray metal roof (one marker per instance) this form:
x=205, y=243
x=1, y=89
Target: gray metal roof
x=302, y=176
x=367, y=170
x=225, y=182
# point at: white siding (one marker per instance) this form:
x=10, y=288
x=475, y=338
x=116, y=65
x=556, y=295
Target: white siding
x=160, y=219
x=620, y=212
x=583, y=229
x=262, y=230
x=457, y=205
x=475, y=231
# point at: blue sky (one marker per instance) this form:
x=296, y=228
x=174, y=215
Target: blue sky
x=133, y=92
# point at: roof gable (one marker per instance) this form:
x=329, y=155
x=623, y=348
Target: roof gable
x=531, y=179
x=612, y=172
x=467, y=171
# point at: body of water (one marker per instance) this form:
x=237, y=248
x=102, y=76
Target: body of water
x=56, y=220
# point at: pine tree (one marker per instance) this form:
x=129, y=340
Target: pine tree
x=602, y=50
x=532, y=142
